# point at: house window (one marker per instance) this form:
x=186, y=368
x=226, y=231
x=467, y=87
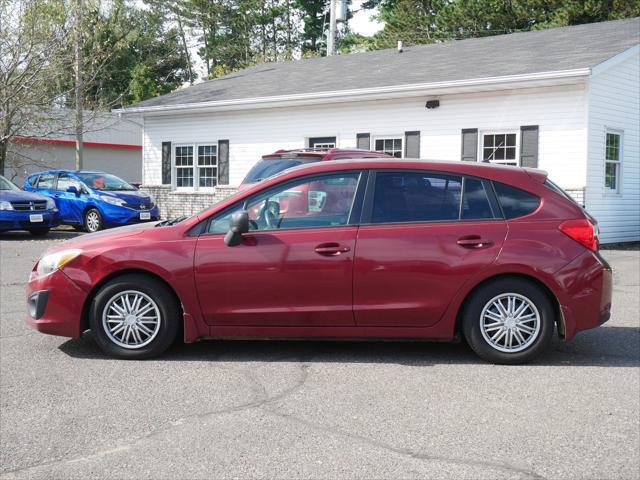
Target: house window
x=196, y=166
x=207, y=166
x=184, y=166
x=612, y=155
x=390, y=145
x=500, y=148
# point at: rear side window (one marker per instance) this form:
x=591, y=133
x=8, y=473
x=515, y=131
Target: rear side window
x=415, y=197
x=515, y=202
x=32, y=180
x=476, y=204
x=45, y=180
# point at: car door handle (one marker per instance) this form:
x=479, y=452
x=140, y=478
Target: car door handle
x=331, y=249
x=474, y=241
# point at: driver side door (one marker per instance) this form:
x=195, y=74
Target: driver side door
x=295, y=265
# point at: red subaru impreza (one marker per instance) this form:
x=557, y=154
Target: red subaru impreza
x=379, y=249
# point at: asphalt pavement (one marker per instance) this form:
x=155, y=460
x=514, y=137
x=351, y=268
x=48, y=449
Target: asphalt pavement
x=317, y=410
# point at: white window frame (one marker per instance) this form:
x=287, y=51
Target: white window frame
x=389, y=137
x=618, y=187
x=506, y=131
x=199, y=167
x=195, y=167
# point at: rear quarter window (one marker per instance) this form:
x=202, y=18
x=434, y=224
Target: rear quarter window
x=515, y=202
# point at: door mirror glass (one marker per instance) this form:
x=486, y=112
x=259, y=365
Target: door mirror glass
x=239, y=224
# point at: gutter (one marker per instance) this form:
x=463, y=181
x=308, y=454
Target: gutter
x=394, y=91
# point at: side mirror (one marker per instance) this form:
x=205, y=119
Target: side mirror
x=73, y=189
x=239, y=225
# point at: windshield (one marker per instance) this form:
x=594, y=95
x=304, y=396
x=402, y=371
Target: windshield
x=266, y=168
x=104, y=182
x=6, y=184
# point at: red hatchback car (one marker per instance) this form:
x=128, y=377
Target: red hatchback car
x=385, y=249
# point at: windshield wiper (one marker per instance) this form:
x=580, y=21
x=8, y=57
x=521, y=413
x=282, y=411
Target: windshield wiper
x=173, y=221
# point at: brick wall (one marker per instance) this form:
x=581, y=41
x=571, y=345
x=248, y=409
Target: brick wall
x=577, y=194
x=174, y=204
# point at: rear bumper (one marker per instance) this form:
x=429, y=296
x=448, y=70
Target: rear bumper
x=54, y=305
x=21, y=220
x=587, y=284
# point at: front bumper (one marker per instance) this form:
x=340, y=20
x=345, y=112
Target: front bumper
x=55, y=304
x=114, y=215
x=21, y=219
x=587, y=284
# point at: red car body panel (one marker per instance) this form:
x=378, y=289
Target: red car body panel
x=395, y=281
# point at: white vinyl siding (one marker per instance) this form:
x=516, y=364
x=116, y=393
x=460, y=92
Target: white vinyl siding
x=559, y=111
x=614, y=107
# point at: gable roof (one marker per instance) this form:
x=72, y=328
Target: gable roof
x=517, y=54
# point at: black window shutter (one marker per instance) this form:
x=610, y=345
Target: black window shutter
x=469, y=145
x=223, y=162
x=529, y=146
x=166, y=163
x=412, y=144
x=363, y=141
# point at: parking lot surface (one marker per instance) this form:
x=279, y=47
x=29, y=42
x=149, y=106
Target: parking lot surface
x=251, y=409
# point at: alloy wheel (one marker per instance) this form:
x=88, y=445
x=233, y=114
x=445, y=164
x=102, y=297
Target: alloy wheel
x=93, y=221
x=510, y=322
x=131, y=319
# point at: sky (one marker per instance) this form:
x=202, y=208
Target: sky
x=361, y=22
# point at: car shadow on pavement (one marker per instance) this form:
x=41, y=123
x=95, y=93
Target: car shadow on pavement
x=603, y=347
x=20, y=236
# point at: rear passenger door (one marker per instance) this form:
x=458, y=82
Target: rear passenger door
x=423, y=235
x=70, y=204
x=46, y=184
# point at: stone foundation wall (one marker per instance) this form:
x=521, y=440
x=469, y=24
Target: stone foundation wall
x=175, y=204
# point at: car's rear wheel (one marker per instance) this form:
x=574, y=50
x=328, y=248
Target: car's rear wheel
x=134, y=316
x=508, y=321
x=92, y=220
x=39, y=232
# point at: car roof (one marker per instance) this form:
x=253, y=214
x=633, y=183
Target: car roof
x=325, y=153
x=66, y=171
x=500, y=173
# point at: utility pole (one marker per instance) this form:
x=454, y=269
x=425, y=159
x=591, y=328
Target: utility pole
x=79, y=84
x=333, y=26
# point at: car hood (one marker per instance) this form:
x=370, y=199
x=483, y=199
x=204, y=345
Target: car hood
x=134, y=197
x=20, y=196
x=103, y=237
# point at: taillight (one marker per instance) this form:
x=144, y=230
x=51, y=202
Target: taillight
x=582, y=231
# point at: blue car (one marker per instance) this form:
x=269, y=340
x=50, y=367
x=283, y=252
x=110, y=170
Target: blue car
x=91, y=201
x=21, y=210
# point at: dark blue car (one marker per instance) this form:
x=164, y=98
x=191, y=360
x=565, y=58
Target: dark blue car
x=91, y=201
x=21, y=210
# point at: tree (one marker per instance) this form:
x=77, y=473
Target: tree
x=34, y=63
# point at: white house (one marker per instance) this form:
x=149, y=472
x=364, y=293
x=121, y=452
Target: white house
x=564, y=100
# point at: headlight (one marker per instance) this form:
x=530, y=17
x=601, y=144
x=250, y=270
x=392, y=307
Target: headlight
x=51, y=204
x=52, y=262
x=112, y=200
x=5, y=205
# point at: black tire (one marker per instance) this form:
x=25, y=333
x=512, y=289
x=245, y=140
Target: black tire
x=483, y=297
x=92, y=221
x=39, y=232
x=165, y=301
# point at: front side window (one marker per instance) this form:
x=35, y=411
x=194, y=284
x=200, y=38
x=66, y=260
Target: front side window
x=500, y=148
x=416, y=197
x=184, y=166
x=207, y=165
x=46, y=181
x=317, y=202
x=392, y=146
x=612, y=157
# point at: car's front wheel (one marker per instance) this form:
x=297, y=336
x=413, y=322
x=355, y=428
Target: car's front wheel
x=508, y=321
x=135, y=317
x=92, y=220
